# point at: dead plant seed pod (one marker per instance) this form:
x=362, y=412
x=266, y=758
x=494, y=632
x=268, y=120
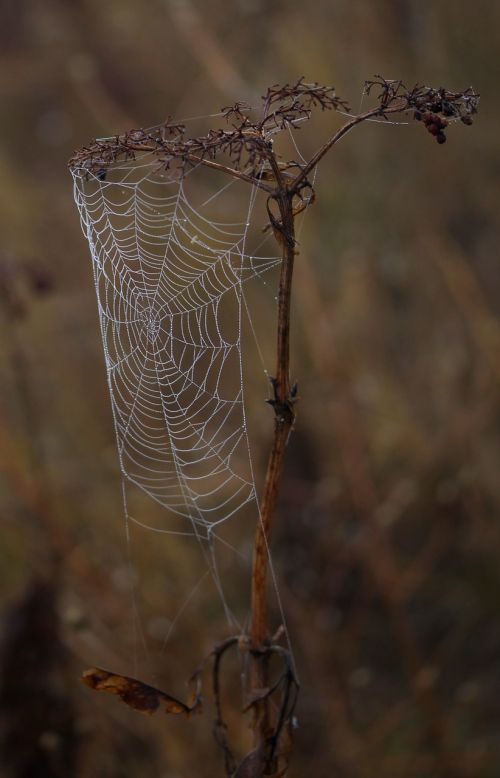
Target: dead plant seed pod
x=434, y=129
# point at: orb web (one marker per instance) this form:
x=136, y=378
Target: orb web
x=169, y=292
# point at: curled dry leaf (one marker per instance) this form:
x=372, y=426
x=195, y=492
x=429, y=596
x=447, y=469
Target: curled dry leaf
x=137, y=694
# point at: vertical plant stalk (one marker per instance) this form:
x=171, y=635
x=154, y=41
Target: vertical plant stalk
x=282, y=403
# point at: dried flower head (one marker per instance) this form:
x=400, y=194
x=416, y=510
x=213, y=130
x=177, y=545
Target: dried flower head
x=247, y=144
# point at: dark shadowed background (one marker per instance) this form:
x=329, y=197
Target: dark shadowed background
x=387, y=541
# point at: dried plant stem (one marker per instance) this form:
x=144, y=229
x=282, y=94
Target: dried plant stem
x=284, y=418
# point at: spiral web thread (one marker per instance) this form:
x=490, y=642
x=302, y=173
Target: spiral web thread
x=169, y=285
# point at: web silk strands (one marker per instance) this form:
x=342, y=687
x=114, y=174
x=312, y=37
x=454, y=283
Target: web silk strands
x=169, y=286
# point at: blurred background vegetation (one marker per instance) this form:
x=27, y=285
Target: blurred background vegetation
x=387, y=542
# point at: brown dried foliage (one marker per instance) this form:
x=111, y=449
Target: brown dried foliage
x=248, y=143
x=137, y=694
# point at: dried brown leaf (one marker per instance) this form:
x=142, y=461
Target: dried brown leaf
x=139, y=695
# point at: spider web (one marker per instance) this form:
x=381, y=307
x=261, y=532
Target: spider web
x=169, y=285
